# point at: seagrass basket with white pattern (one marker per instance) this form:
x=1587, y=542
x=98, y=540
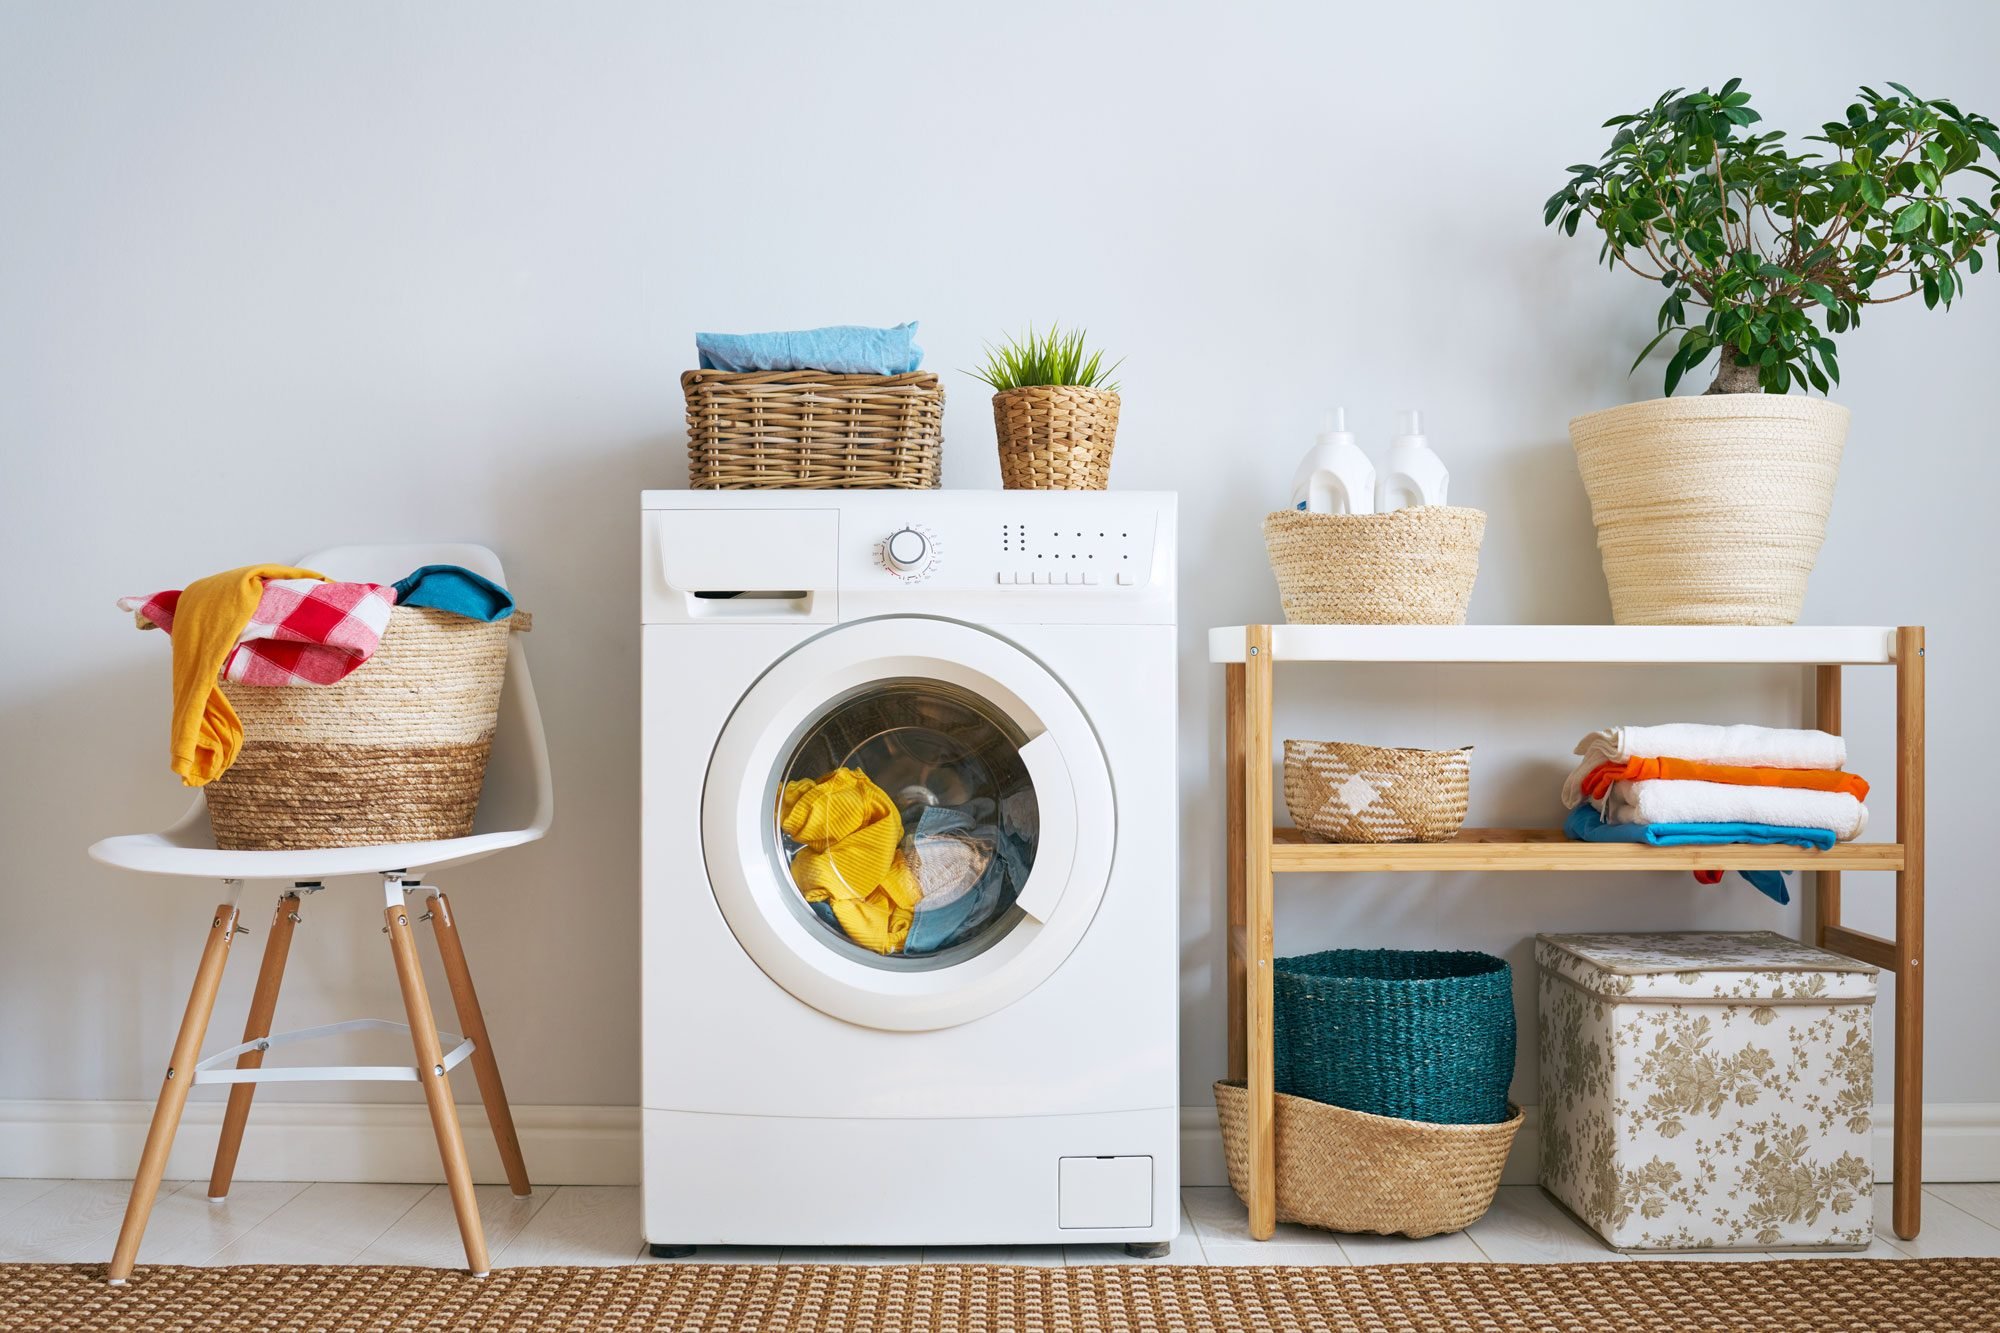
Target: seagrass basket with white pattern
x=1341, y=792
x=395, y=752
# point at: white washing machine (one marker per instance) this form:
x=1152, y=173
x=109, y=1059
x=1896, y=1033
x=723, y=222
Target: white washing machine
x=910, y=871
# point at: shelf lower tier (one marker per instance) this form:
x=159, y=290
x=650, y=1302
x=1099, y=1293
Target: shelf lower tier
x=1549, y=850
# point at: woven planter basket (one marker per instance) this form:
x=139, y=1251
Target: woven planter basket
x=1710, y=510
x=396, y=752
x=1055, y=437
x=806, y=429
x=1418, y=1035
x=1347, y=1171
x=1408, y=567
x=1341, y=792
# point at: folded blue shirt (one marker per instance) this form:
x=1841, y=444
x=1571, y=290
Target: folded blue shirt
x=456, y=589
x=842, y=349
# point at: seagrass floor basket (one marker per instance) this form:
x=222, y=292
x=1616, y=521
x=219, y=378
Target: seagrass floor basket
x=396, y=752
x=808, y=429
x=1345, y=1170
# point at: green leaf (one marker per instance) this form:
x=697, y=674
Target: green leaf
x=1675, y=368
x=1911, y=217
x=1649, y=348
x=1821, y=294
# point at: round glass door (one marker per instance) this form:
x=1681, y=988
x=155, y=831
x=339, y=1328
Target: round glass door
x=906, y=820
x=907, y=823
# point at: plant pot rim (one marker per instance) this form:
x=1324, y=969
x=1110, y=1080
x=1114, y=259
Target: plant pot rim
x=1065, y=388
x=1721, y=406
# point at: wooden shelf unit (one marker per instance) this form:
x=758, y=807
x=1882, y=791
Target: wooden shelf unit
x=1258, y=851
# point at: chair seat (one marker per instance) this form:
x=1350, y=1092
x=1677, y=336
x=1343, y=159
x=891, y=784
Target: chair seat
x=191, y=852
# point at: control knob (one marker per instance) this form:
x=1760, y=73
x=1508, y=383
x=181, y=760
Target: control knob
x=906, y=550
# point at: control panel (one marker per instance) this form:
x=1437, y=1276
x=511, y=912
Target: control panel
x=994, y=557
x=1106, y=552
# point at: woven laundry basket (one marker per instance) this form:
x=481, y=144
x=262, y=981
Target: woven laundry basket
x=396, y=752
x=1349, y=1171
x=1418, y=1034
x=1408, y=567
x=1055, y=437
x=1710, y=510
x=807, y=429
x=1341, y=792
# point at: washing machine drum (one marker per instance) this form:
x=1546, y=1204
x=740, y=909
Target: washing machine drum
x=908, y=823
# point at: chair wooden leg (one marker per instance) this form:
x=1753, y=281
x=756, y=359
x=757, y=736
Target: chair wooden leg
x=263, y=1006
x=437, y=1088
x=485, y=1066
x=174, y=1091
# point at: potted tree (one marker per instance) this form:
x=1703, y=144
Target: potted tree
x=1055, y=411
x=1711, y=509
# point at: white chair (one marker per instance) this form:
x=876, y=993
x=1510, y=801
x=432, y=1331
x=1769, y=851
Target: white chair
x=515, y=807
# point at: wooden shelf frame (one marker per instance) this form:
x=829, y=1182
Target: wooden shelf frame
x=1258, y=851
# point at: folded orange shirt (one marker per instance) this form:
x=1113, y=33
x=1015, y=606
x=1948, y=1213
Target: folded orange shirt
x=1598, y=781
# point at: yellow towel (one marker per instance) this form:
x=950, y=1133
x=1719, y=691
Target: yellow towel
x=208, y=620
x=851, y=859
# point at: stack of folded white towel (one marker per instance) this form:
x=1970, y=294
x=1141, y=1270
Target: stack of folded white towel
x=1687, y=773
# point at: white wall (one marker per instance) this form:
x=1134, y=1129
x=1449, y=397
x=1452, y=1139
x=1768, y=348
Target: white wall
x=278, y=277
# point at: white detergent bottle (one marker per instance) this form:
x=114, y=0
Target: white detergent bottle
x=1335, y=477
x=1414, y=474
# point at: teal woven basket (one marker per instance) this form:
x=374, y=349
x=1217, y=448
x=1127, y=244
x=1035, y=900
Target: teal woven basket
x=1416, y=1035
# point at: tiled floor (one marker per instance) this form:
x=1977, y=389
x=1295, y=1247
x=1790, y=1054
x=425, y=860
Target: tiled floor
x=76, y=1221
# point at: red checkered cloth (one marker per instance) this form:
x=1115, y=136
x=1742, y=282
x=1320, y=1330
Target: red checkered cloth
x=304, y=631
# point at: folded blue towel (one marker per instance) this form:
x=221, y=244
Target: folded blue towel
x=843, y=349
x=456, y=589
x=1586, y=825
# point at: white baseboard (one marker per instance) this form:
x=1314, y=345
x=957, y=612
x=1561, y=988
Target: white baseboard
x=344, y=1141
x=599, y=1145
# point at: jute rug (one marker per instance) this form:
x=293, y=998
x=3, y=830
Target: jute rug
x=1815, y=1295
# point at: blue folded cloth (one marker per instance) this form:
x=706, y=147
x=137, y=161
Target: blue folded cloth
x=456, y=589
x=843, y=349
x=1586, y=825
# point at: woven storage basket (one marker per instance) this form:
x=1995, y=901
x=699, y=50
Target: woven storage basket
x=1418, y=1035
x=1341, y=792
x=807, y=429
x=396, y=752
x=1348, y=1171
x=1710, y=510
x=1408, y=567
x=1055, y=437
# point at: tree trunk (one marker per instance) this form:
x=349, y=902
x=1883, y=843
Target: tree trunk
x=1733, y=376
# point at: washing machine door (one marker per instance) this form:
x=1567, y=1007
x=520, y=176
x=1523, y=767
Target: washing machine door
x=908, y=823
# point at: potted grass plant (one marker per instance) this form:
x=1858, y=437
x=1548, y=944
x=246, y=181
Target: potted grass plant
x=1055, y=410
x=1711, y=509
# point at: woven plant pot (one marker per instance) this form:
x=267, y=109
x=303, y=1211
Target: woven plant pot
x=807, y=429
x=1414, y=1034
x=1055, y=437
x=1348, y=1171
x=1341, y=792
x=1710, y=510
x=396, y=752
x=1408, y=567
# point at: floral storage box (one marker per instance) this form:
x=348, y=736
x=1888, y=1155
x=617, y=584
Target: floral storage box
x=1707, y=1090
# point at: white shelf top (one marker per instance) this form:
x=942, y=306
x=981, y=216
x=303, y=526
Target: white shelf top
x=1793, y=644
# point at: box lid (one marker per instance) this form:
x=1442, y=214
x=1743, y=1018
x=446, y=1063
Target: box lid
x=1706, y=967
